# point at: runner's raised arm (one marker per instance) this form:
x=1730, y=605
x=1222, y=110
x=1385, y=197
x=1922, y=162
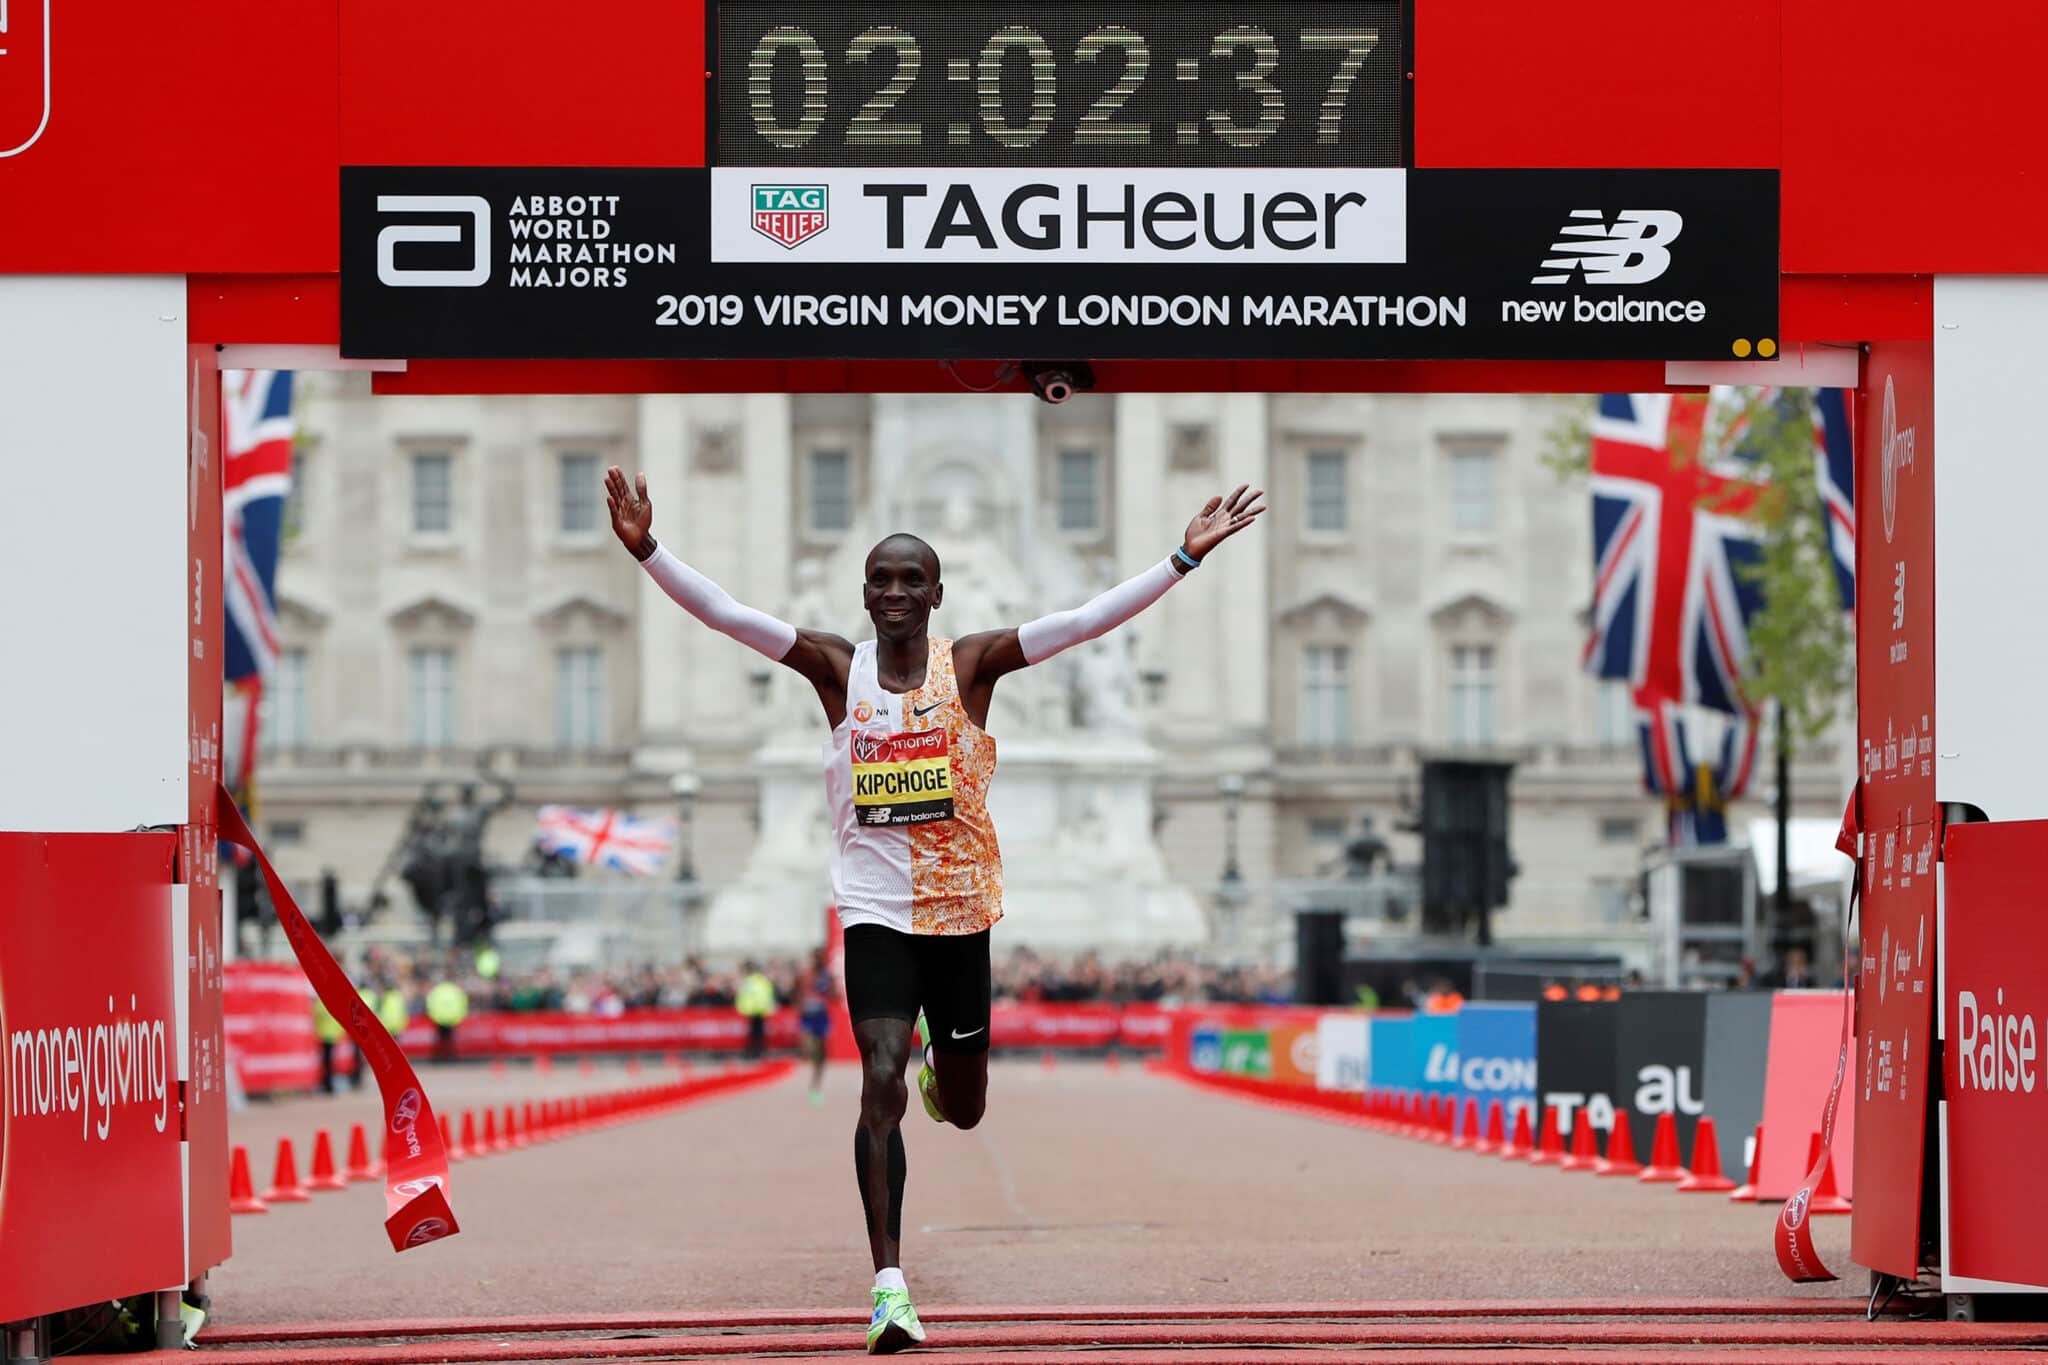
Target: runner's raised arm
x=819, y=656
x=983, y=659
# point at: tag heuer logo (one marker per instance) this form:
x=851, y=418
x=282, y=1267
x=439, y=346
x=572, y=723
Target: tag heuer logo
x=789, y=214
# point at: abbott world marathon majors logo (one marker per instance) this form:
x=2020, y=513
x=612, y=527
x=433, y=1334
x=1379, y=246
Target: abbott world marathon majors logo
x=1626, y=250
x=552, y=241
x=98, y=1075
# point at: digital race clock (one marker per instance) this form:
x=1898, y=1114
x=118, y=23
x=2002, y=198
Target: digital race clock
x=1134, y=83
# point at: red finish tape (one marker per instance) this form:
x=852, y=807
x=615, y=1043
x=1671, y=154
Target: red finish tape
x=416, y=1165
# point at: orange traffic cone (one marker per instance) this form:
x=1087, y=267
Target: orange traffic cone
x=1468, y=1125
x=324, y=1177
x=544, y=1064
x=1517, y=1147
x=528, y=1132
x=284, y=1183
x=359, y=1167
x=469, y=1142
x=448, y=1140
x=1585, y=1151
x=1549, y=1146
x=514, y=1139
x=1745, y=1193
x=493, y=1144
x=1828, y=1198
x=1665, y=1167
x=241, y=1193
x=1621, y=1150
x=1495, y=1136
x=1706, y=1177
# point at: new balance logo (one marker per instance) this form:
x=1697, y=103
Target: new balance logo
x=1634, y=250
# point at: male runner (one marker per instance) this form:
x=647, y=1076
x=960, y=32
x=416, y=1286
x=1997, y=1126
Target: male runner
x=916, y=873
x=814, y=1018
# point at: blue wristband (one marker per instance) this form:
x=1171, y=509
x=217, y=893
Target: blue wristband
x=1186, y=560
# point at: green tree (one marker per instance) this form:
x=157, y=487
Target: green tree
x=1800, y=649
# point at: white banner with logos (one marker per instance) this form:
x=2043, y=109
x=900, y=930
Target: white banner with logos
x=1343, y=1052
x=1091, y=215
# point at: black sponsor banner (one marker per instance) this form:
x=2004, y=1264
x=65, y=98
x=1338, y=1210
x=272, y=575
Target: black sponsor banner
x=594, y=263
x=1659, y=1062
x=1738, y=1046
x=1575, y=1051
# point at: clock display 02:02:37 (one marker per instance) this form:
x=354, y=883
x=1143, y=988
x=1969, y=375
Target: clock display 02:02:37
x=1136, y=83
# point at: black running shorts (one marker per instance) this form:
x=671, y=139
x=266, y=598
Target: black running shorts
x=892, y=975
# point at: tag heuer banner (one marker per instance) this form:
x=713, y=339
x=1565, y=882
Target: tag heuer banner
x=1088, y=263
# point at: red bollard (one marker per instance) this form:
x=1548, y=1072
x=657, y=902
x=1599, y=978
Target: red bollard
x=1470, y=1136
x=241, y=1192
x=1621, y=1150
x=1494, y=1137
x=284, y=1182
x=359, y=1167
x=1549, y=1142
x=1827, y=1198
x=1745, y=1193
x=1706, y=1176
x=1664, y=1167
x=324, y=1175
x=1585, y=1150
x=1520, y=1146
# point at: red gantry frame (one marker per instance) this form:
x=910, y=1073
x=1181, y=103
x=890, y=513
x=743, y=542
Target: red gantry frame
x=206, y=142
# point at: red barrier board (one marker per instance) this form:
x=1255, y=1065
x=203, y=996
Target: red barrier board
x=1995, y=1017
x=91, y=1205
x=1895, y=743
x=1806, y=1036
x=269, y=1027
x=205, y=1075
x=1895, y=565
x=1894, y=1019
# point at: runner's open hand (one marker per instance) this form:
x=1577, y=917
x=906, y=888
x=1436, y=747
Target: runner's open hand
x=632, y=513
x=1222, y=518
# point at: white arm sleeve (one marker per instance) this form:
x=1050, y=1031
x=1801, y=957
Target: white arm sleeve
x=714, y=606
x=1048, y=635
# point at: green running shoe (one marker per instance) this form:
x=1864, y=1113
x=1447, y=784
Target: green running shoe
x=894, y=1325
x=928, y=1089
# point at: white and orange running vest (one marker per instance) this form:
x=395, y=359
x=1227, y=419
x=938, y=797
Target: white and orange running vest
x=907, y=778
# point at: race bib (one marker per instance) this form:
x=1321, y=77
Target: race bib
x=904, y=779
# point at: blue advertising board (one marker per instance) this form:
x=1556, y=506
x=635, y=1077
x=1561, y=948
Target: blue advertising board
x=1436, y=1052
x=1395, y=1065
x=1496, y=1056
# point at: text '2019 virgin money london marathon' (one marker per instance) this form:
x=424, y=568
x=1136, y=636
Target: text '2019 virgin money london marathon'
x=1312, y=262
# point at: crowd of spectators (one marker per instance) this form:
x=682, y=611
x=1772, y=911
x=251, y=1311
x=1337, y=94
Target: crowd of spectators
x=1021, y=975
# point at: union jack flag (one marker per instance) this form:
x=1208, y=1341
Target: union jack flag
x=1696, y=794
x=1834, y=456
x=630, y=843
x=256, y=429
x=1671, y=603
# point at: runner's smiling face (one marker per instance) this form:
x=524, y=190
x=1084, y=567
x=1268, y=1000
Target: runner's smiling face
x=902, y=587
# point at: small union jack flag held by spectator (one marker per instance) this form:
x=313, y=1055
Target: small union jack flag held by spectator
x=609, y=838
